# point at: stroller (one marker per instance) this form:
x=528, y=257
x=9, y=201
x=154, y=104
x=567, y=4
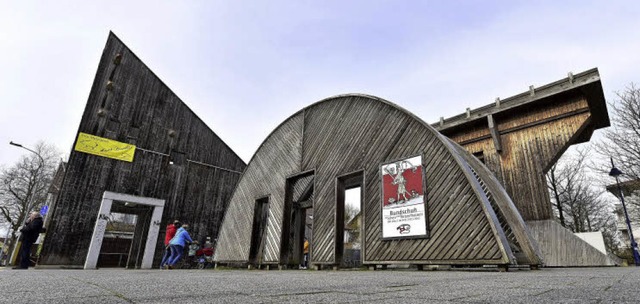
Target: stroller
x=190, y=260
x=204, y=257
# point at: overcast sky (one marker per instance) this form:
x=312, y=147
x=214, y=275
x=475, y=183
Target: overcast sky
x=245, y=66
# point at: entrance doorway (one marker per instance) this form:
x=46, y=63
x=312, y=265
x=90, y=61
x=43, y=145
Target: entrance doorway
x=298, y=213
x=117, y=241
x=348, y=220
x=260, y=215
x=148, y=214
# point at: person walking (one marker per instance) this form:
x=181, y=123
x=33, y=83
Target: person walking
x=177, y=244
x=305, y=250
x=30, y=232
x=170, y=233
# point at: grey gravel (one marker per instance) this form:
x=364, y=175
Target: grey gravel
x=572, y=285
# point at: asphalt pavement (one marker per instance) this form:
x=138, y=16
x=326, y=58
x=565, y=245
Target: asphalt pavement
x=558, y=285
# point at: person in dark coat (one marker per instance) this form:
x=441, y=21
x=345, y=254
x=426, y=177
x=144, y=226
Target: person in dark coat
x=30, y=232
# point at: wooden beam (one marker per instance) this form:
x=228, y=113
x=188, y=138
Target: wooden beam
x=527, y=125
x=588, y=82
x=495, y=134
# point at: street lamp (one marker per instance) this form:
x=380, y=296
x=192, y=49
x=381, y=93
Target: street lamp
x=39, y=168
x=634, y=246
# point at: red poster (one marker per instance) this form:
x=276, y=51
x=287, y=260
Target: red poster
x=403, y=209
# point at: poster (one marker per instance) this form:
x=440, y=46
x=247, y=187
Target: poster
x=104, y=147
x=403, y=204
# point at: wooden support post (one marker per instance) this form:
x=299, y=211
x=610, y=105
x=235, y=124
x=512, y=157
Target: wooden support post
x=495, y=134
x=497, y=102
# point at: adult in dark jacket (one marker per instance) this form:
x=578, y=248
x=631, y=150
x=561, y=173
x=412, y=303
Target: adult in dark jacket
x=30, y=232
x=171, y=232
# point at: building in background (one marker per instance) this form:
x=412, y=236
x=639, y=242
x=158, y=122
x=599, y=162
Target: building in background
x=631, y=191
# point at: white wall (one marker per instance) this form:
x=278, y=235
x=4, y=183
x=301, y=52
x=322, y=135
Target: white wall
x=594, y=239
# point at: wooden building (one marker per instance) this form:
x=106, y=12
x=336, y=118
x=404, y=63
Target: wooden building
x=343, y=142
x=521, y=137
x=181, y=169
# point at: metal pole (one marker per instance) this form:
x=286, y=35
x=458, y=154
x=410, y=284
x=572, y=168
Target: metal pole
x=634, y=245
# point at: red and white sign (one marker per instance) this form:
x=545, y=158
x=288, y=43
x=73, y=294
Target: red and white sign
x=403, y=207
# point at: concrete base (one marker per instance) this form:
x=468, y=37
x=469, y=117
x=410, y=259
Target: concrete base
x=561, y=248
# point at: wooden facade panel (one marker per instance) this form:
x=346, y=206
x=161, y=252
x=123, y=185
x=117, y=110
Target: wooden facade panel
x=128, y=103
x=338, y=138
x=530, y=144
x=266, y=177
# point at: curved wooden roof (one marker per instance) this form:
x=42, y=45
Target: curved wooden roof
x=471, y=220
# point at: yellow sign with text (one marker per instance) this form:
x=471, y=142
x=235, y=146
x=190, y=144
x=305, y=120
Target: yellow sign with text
x=104, y=147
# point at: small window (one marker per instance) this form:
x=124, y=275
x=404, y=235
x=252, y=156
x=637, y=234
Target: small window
x=479, y=156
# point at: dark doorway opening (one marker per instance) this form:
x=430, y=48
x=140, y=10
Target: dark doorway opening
x=298, y=219
x=348, y=228
x=260, y=215
x=125, y=236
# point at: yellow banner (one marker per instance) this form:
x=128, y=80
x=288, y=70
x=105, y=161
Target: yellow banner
x=104, y=147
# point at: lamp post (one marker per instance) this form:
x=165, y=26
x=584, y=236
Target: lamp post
x=30, y=198
x=634, y=246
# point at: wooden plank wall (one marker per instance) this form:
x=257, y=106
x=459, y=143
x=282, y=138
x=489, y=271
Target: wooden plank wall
x=352, y=133
x=277, y=158
x=516, y=231
x=532, y=139
x=130, y=104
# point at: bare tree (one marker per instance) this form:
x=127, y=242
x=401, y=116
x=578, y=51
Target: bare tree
x=578, y=202
x=622, y=140
x=24, y=185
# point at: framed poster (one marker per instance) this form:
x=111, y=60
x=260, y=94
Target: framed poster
x=403, y=203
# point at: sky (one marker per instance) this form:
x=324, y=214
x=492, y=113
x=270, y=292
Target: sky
x=245, y=66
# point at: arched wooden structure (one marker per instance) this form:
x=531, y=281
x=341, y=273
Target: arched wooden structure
x=342, y=141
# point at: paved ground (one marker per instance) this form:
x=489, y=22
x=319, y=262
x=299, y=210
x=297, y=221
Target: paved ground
x=576, y=285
